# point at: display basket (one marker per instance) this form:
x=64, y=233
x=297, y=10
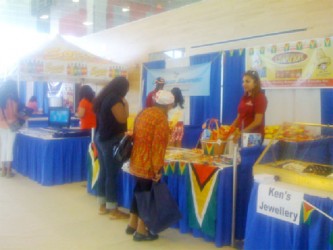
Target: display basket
x=213, y=147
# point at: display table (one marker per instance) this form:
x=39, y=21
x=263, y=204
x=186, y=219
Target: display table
x=177, y=177
x=315, y=232
x=51, y=161
x=41, y=121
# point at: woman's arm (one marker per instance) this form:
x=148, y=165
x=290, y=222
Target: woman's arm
x=256, y=122
x=235, y=122
x=120, y=111
x=80, y=112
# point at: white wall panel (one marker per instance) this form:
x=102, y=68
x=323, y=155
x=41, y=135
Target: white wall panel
x=290, y=105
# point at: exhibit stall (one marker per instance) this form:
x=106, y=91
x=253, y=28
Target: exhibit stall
x=292, y=196
x=54, y=72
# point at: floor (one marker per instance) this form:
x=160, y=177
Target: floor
x=65, y=217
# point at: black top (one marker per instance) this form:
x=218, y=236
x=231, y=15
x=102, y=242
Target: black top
x=107, y=125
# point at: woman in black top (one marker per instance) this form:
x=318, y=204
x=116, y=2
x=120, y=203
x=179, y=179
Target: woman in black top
x=111, y=110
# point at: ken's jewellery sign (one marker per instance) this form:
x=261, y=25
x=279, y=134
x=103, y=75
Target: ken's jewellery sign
x=279, y=203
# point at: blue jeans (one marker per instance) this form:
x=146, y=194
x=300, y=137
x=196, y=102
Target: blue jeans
x=109, y=169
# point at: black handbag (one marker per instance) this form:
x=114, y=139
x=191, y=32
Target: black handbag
x=122, y=150
x=157, y=208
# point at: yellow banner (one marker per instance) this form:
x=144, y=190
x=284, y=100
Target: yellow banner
x=300, y=64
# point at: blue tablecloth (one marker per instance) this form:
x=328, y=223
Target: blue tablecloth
x=51, y=162
x=179, y=185
x=263, y=232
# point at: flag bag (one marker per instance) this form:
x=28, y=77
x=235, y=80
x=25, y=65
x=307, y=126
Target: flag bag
x=157, y=208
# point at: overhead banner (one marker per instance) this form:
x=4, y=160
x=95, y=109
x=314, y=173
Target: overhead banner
x=71, y=69
x=280, y=203
x=192, y=80
x=303, y=64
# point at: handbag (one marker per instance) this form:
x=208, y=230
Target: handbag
x=122, y=150
x=157, y=208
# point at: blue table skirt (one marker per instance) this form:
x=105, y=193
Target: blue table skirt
x=178, y=186
x=263, y=232
x=51, y=162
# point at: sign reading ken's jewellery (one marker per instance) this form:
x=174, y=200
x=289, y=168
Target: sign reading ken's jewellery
x=279, y=203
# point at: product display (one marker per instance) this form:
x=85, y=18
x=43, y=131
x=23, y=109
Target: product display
x=196, y=156
x=305, y=162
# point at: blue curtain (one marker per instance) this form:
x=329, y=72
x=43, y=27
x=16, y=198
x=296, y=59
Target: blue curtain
x=326, y=106
x=206, y=107
x=149, y=65
x=233, y=69
x=23, y=92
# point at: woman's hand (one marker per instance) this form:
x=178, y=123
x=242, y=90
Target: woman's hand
x=237, y=135
x=157, y=177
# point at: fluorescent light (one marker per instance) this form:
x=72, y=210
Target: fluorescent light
x=87, y=23
x=44, y=17
x=125, y=9
x=76, y=1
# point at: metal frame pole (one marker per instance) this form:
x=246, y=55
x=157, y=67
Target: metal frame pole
x=234, y=195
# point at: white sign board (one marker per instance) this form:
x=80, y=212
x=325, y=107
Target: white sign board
x=279, y=203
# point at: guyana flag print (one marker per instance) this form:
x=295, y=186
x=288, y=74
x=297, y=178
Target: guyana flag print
x=202, y=197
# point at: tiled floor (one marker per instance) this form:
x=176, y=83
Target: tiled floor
x=65, y=217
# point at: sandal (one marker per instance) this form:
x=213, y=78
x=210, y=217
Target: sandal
x=103, y=210
x=118, y=215
x=130, y=230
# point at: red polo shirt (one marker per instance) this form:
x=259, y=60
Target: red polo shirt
x=150, y=101
x=248, y=107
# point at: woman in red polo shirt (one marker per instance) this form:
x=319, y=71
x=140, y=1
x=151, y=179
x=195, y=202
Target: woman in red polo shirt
x=252, y=106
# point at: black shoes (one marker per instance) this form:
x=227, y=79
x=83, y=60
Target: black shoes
x=141, y=237
x=130, y=230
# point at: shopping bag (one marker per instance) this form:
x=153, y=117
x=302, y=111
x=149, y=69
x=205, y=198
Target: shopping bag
x=157, y=208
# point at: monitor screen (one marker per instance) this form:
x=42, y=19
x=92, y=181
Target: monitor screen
x=59, y=117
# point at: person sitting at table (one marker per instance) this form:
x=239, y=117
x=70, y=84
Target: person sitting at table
x=176, y=119
x=111, y=110
x=32, y=104
x=151, y=136
x=85, y=109
x=159, y=85
x=252, y=107
x=9, y=101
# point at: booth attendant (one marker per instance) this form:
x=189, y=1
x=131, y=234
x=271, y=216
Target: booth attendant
x=252, y=106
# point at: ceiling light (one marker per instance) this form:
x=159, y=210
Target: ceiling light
x=87, y=23
x=76, y=1
x=125, y=9
x=44, y=17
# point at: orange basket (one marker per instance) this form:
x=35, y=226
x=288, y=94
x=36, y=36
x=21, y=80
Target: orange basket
x=213, y=147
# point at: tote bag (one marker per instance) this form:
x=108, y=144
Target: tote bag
x=157, y=208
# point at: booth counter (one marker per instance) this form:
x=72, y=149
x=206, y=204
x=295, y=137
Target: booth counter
x=314, y=229
x=291, y=206
x=51, y=161
x=204, y=193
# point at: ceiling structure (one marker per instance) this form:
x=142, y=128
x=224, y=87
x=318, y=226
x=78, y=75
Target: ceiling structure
x=80, y=17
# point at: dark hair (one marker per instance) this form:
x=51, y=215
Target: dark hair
x=179, y=99
x=255, y=76
x=8, y=90
x=119, y=86
x=86, y=92
x=33, y=99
